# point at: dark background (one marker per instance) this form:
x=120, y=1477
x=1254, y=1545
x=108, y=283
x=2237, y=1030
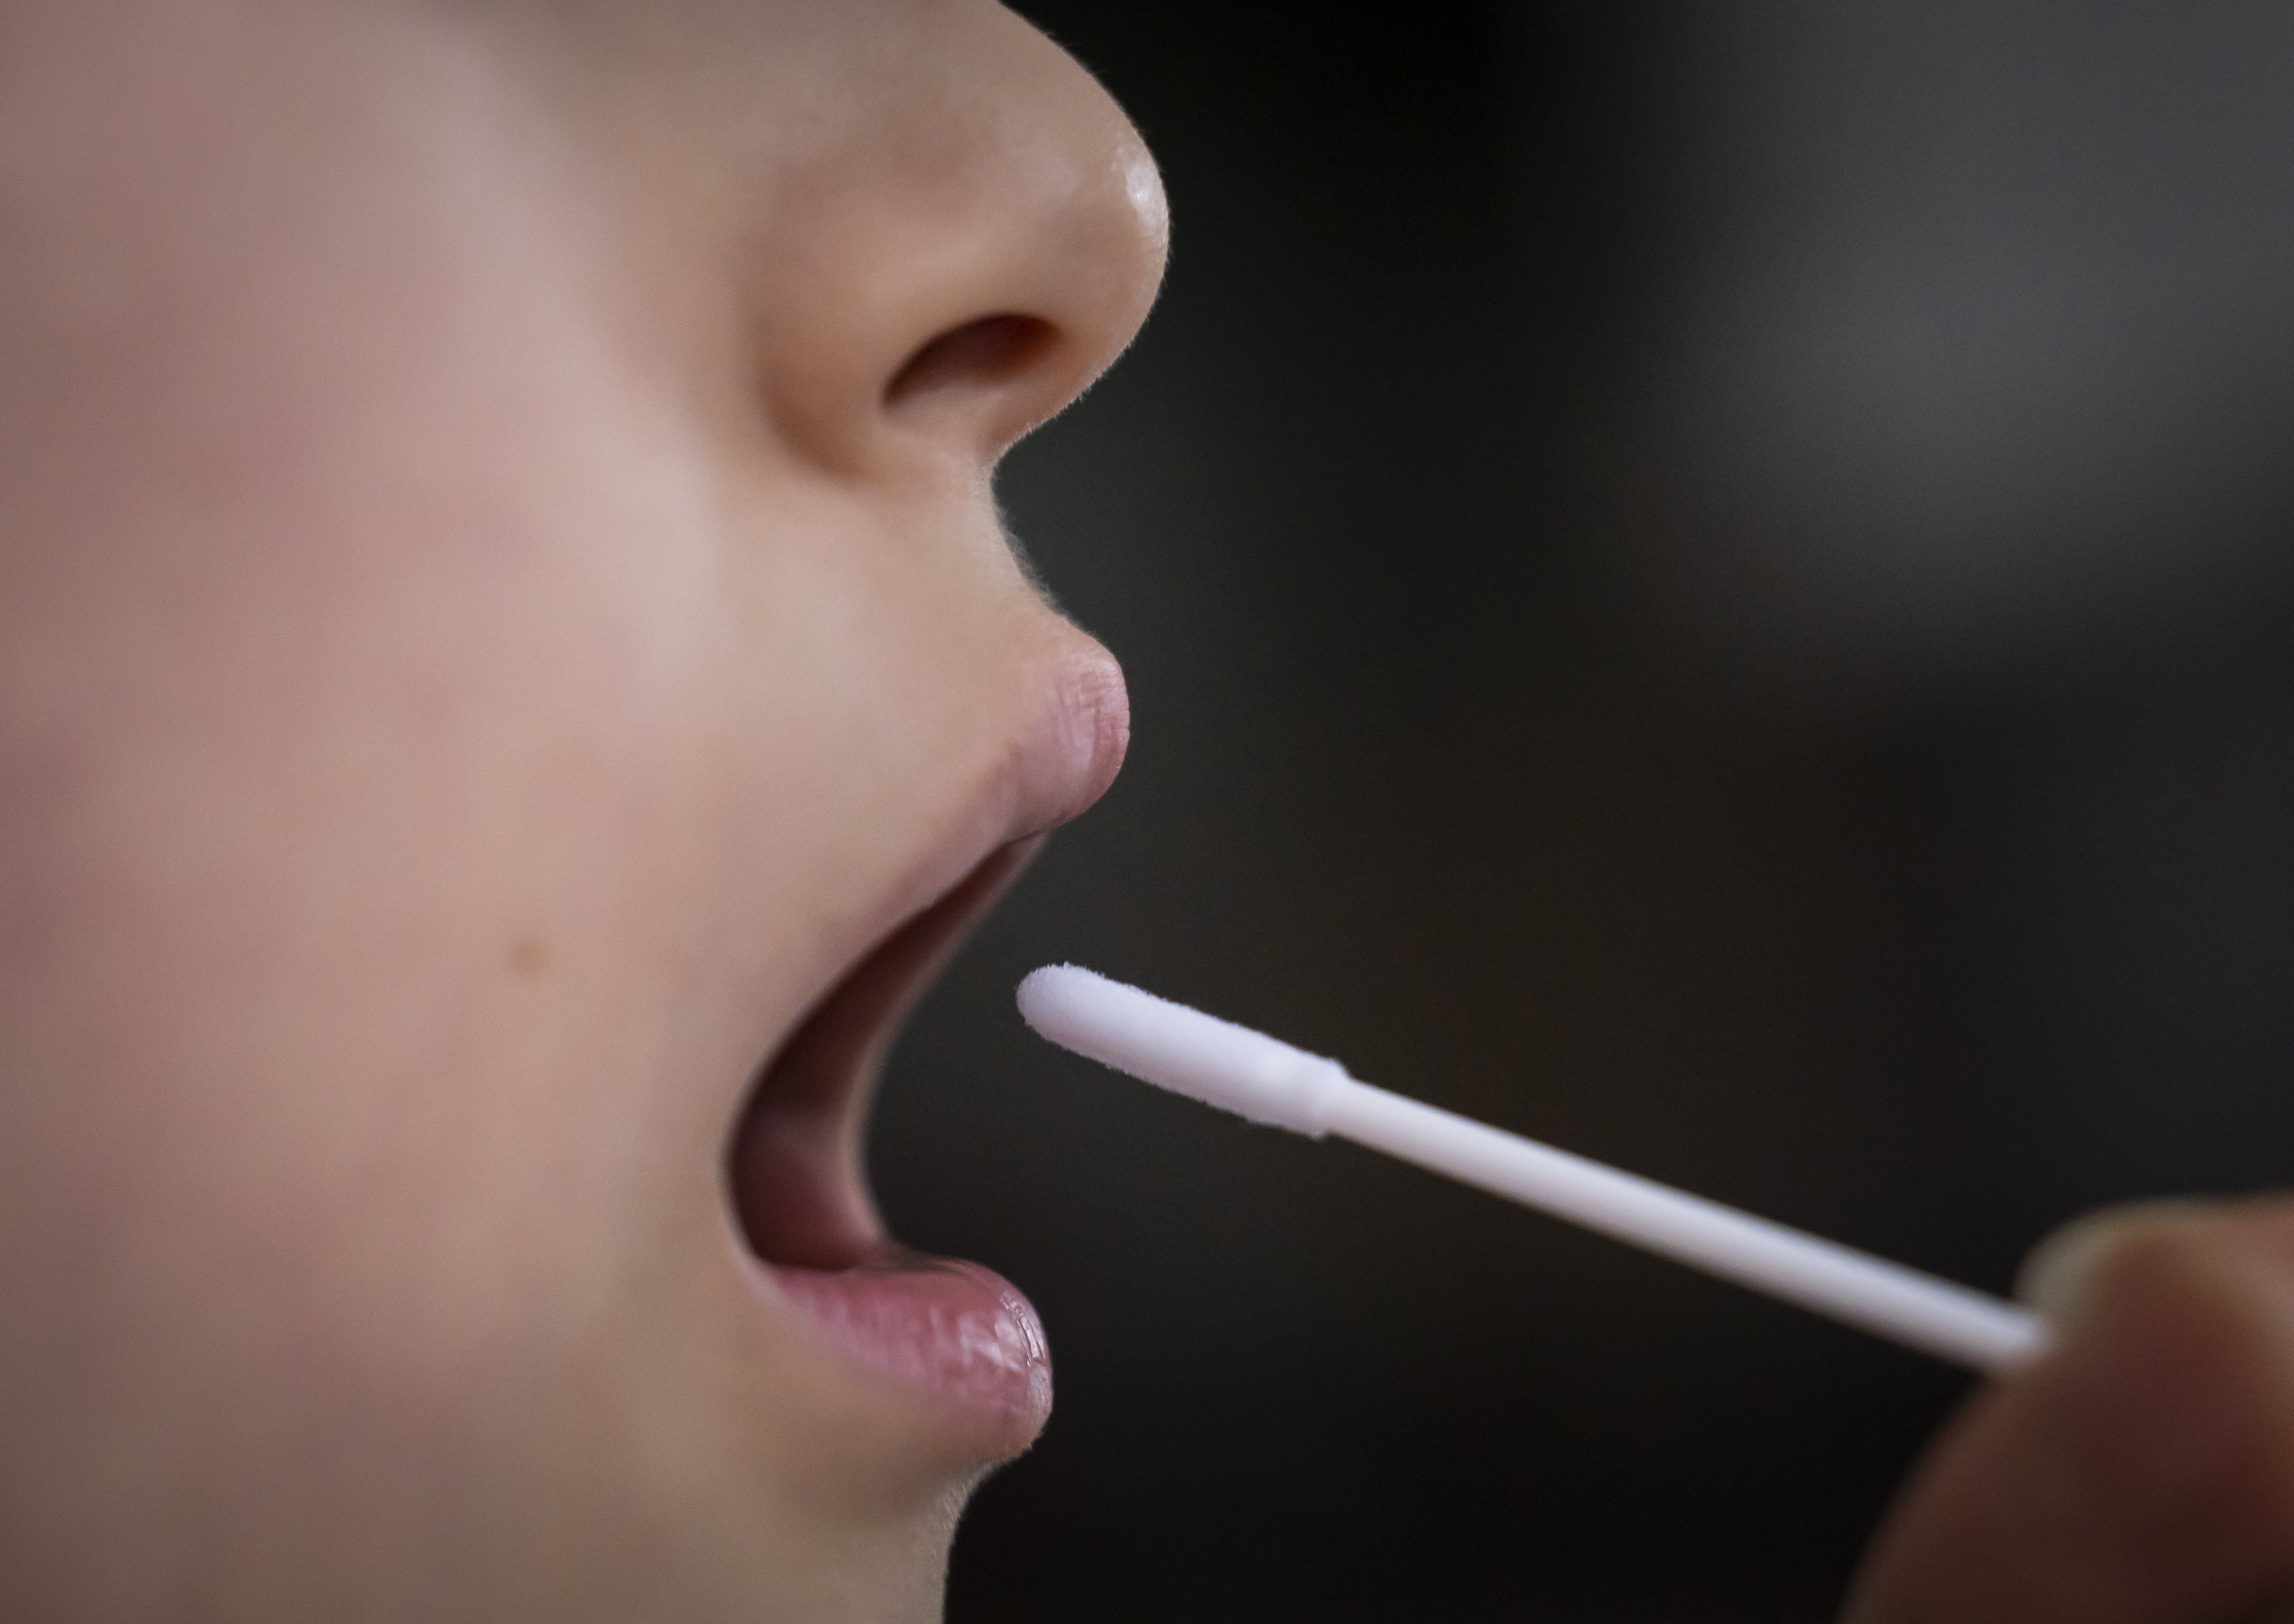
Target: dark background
x=1709, y=584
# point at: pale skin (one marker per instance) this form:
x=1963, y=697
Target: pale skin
x=501, y=609
x=493, y=619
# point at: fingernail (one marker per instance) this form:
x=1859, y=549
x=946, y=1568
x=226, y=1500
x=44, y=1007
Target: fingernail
x=2057, y=1276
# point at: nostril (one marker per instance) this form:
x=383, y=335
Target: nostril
x=981, y=355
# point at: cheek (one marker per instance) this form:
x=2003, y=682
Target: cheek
x=360, y=736
x=344, y=863
x=367, y=942
x=426, y=789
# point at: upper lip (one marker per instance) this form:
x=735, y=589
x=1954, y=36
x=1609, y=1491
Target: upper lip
x=794, y=1162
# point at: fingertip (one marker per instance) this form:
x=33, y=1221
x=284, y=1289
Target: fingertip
x=2058, y=1276
x=2143, y=1469
x=2161, y=1438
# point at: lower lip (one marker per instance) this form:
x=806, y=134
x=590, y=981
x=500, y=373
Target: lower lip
x=960, y=1333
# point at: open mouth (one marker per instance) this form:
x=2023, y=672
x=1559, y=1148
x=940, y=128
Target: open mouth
x=954, y=1331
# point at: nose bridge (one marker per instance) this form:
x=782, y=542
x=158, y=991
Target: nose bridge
x=977, y=232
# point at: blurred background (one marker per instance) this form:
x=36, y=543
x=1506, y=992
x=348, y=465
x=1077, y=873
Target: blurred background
x=1708, y=583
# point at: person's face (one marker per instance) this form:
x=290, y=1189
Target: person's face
x=501, y=611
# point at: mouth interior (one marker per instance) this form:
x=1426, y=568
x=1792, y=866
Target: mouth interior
x=793, y=1169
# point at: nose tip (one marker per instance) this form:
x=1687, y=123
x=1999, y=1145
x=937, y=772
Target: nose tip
x=984, y=242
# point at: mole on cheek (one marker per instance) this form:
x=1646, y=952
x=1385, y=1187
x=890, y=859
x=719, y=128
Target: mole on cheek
x=530, y=957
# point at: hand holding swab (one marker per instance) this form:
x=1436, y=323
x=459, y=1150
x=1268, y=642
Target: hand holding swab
x=1257, y=1076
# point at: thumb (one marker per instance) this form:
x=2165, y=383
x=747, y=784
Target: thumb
x=2142, y=1471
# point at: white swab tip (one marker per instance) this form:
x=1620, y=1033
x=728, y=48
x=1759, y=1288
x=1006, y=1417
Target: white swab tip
x=1040, y=993
x=1183, y=1050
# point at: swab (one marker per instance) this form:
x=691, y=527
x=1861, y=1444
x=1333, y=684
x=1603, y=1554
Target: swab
x=1254, y=1076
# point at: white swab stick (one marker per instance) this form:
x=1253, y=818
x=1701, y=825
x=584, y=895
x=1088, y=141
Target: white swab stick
x=1255, y=1076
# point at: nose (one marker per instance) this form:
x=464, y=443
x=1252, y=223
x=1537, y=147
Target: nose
x=983, y=232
